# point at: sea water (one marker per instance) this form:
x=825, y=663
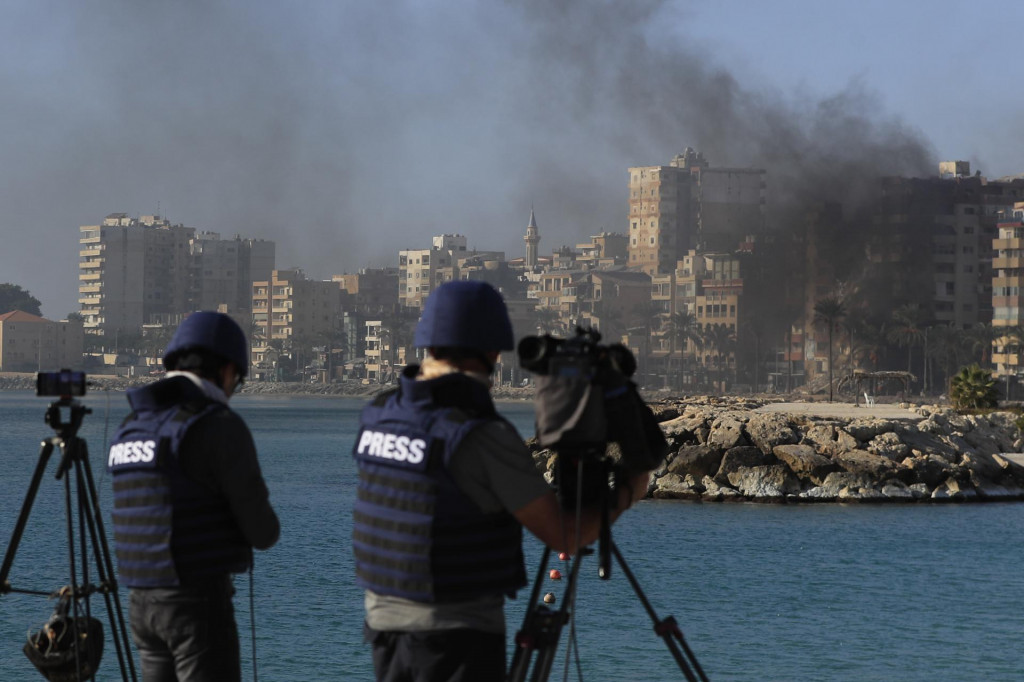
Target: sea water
x=761, y=592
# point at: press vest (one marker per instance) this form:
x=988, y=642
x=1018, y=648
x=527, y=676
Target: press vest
x=415, y=533
x=168, y=529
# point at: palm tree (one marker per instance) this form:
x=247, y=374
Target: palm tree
x=683, y=327
x=829, y=311
x=907, y=329
x=980, y=338
x=721, y=337
x=546, y=320
x=973, y=389
x=948, y=347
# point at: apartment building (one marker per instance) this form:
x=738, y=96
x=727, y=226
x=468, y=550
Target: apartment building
x=371, y=289
x=29, y=343
x=292, y=308
x=690, y=205
x=136, y=271
x=420, y=271
x=1008, y=294
x=222, y=272
x=956, y=216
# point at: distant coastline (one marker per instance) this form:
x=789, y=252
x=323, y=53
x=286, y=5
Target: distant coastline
x=26, y=381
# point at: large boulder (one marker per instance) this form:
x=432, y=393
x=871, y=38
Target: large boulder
x=888, y=445
x=984, y=440
x=727, y=431
x=675, y=487
x=715, y=492
x=828, y=439
x=765, y=482
x=769, y=429
x=931, y=470
x=663, y=412
x=739, y=457
x=803, y=461
x=982, y=467
x=683, y=429
x=839, y=483
x=928, y=443
x=865, y=429
x=876, y=467
x=697, y=460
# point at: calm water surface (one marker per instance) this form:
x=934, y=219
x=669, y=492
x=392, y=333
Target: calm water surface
x=822, y=592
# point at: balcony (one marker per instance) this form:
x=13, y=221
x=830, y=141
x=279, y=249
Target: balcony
x=1007, y=263
x=89, y=277
x=1010, y=243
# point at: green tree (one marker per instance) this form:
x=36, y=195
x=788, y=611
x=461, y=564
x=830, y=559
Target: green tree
x=722, y=338
x=683, y=328
x=948, y=347
x=546, y=320
x=13, y=297
x=906, y=329
x=979, y=338
x=973, y=389
x=828, y=312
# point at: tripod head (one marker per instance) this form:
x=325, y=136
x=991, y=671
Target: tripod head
x=76, y=413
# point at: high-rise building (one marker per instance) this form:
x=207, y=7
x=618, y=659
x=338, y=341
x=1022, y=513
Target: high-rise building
x=1008, y=293
x=131, y=269
x=136, y=271
x=690, y=205
x=954, y=218
x=223, y=270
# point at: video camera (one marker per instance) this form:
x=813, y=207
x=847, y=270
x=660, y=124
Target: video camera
x=63, y=384
x=587, y=409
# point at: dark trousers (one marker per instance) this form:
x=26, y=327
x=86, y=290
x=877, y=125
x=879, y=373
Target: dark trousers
x=186, y=634
x=438, y=656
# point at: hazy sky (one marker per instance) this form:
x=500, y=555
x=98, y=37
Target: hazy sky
x=346, y=131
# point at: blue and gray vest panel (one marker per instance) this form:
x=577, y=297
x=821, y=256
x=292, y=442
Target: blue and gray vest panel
x=415, y=534
x=167, y=528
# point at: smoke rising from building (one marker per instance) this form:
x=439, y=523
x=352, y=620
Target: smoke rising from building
x=346, y=131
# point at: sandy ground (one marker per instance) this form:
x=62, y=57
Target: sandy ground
x=842, y=410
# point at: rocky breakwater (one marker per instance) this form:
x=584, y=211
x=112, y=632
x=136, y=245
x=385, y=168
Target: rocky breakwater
x=739, y=450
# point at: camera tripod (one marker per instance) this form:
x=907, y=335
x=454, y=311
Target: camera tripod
x=74, y=463
x=542, y=625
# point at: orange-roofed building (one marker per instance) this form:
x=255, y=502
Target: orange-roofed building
x=29, y=343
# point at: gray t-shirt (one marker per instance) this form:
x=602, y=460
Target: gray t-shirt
x=494, y=468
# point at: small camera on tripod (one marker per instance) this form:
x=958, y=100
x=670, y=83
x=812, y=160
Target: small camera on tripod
x=63, y=384
x=590, y=413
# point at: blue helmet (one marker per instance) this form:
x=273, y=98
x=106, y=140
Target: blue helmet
x=212, y=332
x=465, y=314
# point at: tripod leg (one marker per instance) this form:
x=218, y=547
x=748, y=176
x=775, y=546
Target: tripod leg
x=26, y=507
x=667, y=629
x=104, y=565
x=524, y=644
x=542, y=628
